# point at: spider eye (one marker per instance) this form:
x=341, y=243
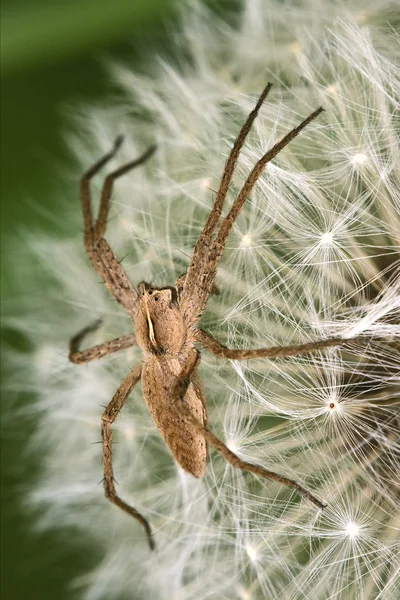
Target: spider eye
x=156, y=298
x=150, y=292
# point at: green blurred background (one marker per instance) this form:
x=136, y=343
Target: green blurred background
x=51, y=58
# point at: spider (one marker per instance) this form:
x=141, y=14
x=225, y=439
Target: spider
x=165, y=321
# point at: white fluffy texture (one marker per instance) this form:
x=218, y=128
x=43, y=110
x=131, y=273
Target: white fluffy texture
x=315, y=253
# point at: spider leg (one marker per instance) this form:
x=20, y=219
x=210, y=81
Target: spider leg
x=112, y=273
x=178, y=395
x=212, y=345
x=101, y=223
x=100, y=254
x=85, y=192
x=209, y=270
x=207, y=253
x=179, y=285
x=107, y=419
x=219, y=244
x=201, y=248
x=78, y=356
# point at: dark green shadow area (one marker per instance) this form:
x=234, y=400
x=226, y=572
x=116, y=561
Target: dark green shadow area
x=51, y=58
x=42, y=32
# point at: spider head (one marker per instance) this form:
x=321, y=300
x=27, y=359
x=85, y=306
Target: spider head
x=159, y=324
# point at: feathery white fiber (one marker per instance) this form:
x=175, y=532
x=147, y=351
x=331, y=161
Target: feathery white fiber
x=314, y=254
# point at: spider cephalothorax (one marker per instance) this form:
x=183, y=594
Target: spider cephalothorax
x=159, y=324
x=165, y=322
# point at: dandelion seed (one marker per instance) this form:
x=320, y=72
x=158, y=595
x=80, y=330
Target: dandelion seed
x=295, y=48
x=352, y=530
x=244, y=594
x=252, y=552
x=332, y=88
x=205, y=183
x=246, y=240
x=126, y=224
x=359, y=159
x=233, y=446
x=333, y=405
x=327, y=238
x=129, y=432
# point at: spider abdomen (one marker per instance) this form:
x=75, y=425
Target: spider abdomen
x=187, y=446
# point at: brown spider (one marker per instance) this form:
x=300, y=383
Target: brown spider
x=165, y=322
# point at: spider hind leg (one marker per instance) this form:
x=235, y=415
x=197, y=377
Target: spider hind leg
x=221, y=448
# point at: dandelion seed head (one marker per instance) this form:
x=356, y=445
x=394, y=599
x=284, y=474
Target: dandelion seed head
x=322, y=234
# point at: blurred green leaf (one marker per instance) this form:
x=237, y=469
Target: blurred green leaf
x=45, y=32
x=50, y=60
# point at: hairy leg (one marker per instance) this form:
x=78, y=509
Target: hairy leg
x=208, y=271
x=212, y=345
x=101, y=223
x=85, y=193
x=207, y=253
x=201, y=249
x=227, y=224
x=107, y=419
x=78, y=356
x=179, y=285
x=100, y=254
x=179, y=393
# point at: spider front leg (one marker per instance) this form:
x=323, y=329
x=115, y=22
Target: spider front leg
x=107, y=419
x=208, y=252
x=180, y=282
x=179, y=393
x=78, y=356
x=100, y=254
x=201, y=249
